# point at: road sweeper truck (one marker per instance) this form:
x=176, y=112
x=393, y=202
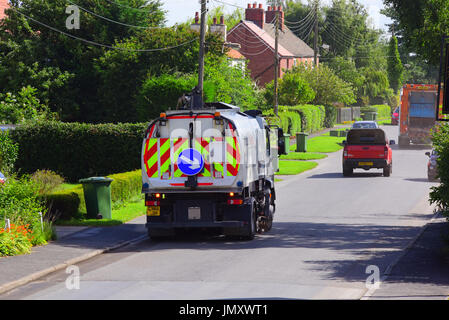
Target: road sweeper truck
x=210, y=168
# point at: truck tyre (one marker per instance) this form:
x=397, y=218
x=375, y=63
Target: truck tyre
x=347, y=171
x=249, y=231
x=387, y=170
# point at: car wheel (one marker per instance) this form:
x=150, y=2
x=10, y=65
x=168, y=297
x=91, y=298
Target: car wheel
x=347, y=171
x=387, y=171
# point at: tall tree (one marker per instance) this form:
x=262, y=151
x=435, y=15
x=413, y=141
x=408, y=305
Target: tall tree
x=60, y=66
x=420, y=25
x=395, y=68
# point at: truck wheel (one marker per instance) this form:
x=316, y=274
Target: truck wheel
x=250, y=229
x=387, y=170
x=347, y=171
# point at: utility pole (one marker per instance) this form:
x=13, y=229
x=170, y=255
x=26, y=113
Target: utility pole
x=315, y=38
x=202, y=51
x=276, y=62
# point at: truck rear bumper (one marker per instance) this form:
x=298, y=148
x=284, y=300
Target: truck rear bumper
x=197, y=224
x=365, y=163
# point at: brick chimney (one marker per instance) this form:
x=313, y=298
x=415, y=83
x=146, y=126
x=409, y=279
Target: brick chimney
x=220, y=28
x=256, y=14
x=270, y=16
x=3, y=6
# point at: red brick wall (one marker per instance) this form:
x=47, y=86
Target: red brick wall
x=3, y=5
x=260, y=59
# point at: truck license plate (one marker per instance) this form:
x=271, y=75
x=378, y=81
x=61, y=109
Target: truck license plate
x=365, y=163
x=194, y=213
x=154, y=211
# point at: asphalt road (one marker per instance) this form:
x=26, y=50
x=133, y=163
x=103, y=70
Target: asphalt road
x=327, y=230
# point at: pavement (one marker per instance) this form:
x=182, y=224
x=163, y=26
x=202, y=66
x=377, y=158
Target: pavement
x=73, y=245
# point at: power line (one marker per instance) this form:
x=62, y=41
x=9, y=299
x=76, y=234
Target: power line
x=310, y=14
x=100, y=44
x=132, y=8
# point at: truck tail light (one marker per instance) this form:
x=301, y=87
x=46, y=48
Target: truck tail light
x=345, y=153
x=152, y=203
x=235, y=201
x=386, y=152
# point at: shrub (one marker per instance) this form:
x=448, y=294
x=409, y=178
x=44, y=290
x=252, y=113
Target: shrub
x=383, y=111
x=290, y=120
x=330, y=117
x=47, y=180
x=19, y=201
x=76, y=150
x=312, y=117
x=8, y=153
x=440, y=194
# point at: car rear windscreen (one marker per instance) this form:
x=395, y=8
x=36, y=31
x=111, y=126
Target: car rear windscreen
x=366, y=136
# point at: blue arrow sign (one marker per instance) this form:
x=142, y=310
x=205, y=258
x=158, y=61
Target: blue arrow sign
x=190, y=162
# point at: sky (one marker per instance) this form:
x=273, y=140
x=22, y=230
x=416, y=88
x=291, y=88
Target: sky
x=181, y=10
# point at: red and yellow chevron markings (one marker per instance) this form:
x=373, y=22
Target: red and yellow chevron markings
x=179, y=145
x=232, y=156
x=202, y=146
x=151, y=158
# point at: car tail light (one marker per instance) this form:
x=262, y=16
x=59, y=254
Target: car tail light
x=152, y=203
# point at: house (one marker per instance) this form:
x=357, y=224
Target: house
x=256, y=36
x=3, y=6
x=235, y=58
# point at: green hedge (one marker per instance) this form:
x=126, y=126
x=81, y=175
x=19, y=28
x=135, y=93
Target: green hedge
x=76, y=150
x=70, y=203
x=290, y=120
x=312, y=116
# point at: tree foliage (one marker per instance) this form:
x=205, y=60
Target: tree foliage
x=395, y=68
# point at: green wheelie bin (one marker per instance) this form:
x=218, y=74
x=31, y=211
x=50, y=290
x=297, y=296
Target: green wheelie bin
x=97, y=195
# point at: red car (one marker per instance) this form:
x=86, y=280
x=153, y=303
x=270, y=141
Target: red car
x=367, y=149
x=395, y=117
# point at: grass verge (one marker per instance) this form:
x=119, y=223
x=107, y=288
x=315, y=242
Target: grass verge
x=288, y=167
x=293, y=155
x=325, y=144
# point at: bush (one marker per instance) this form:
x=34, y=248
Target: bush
x=19, y=201
x=290, y=120
x=312, y=117
x=383, y=111
x=330, y=117
x=76, y=150
x=440, y=194
x=8, y=153
x=47, y=180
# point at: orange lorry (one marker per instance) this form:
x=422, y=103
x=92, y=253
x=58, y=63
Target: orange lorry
x=417, y=113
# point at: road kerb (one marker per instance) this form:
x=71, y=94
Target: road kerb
x=34, y=276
